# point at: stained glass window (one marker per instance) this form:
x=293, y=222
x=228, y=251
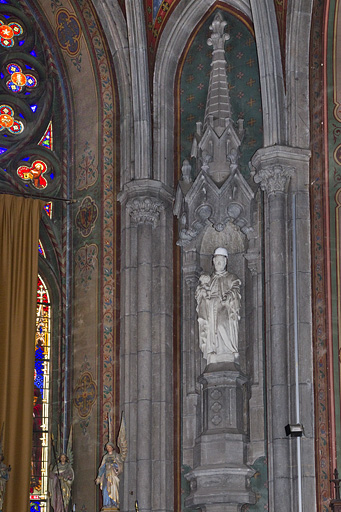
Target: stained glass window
x=41, y=249
x=40, y=445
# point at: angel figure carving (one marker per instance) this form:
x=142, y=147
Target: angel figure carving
x=4, y=471
x=111, y=468
x=61, y=479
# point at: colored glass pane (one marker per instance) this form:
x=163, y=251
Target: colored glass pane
x=7, y=120
x=34, y=174
x=47, y=138
x=19, y=79
x=8, y=32
x=40, y=445
x=48, y=209
x=41, y=249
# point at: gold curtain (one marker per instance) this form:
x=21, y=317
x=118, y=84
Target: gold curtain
x=19, y=234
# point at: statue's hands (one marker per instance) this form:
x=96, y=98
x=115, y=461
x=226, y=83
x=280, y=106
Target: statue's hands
x=97, y=481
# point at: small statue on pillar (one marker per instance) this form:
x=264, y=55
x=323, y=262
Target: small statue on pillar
x=111, y=468
x=218, y=304
x=61, y=476
x=4, y=472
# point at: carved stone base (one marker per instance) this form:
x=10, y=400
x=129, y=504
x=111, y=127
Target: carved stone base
x=109, y=509
x=219, y=489
x=219, y=481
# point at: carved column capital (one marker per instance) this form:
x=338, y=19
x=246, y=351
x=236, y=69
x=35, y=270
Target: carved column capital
x=253, y=262
x=274, y=178
x=145, y=210
x=192, y=279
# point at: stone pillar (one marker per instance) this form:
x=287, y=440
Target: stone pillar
x=254, y=348
x=146, y=355
x=274, y=181
x=288, y=376
x=191, y=355
x=219, y=480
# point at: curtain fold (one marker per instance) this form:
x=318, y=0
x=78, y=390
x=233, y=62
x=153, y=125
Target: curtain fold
x=19, y=234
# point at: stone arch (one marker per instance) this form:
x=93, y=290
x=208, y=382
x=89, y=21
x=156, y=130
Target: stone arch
x=115, y=27
x=297, y=73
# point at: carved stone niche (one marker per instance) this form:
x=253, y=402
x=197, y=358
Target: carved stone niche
x=217, y=207
x=220, y=427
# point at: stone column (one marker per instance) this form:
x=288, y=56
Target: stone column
x=254, y=347
x=283, y=173
x=146, y=375
x=191, y=354
x=274, y=181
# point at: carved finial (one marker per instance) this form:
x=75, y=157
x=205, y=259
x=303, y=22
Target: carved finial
x=218, y=37
x=186, y=171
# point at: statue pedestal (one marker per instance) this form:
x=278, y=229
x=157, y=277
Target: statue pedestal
x=335, y=505
x=109, y=509
x=219, y=480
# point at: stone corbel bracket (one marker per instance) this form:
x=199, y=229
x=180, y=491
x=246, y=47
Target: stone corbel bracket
x=145, y=210
x=144, y=200
x=203, y=202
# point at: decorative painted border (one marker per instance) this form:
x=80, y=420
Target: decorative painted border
x=155, y=27
x=337, y=58
x=320, y=237
x=109, y=134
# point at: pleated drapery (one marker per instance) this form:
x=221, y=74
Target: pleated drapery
x=19, y=235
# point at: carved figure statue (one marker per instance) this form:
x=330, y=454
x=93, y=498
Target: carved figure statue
x=61, y=476
x=110, y=469
x=61, y=479
x=4, y=476
x=4, y=471
x=218, y=304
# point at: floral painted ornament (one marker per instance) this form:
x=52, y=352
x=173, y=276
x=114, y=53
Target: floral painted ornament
x=7, y=121
x=34, y=173
x=19, y=80
x=7, y=32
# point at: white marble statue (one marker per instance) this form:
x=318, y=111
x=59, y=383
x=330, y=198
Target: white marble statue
x=218, y=304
